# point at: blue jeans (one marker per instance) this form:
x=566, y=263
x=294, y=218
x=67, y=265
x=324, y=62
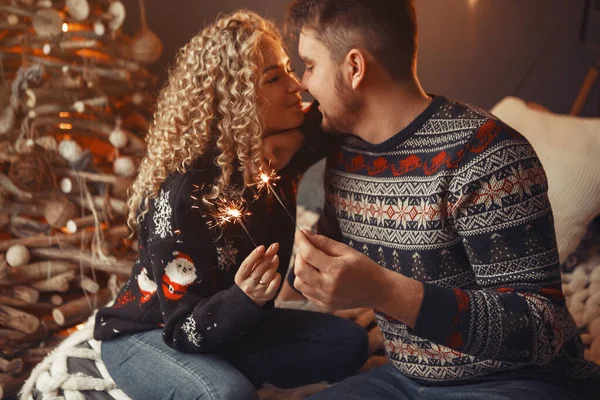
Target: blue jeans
x=288, y=348
x=387, y=382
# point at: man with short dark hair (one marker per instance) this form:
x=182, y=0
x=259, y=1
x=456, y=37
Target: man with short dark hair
x=445, y=221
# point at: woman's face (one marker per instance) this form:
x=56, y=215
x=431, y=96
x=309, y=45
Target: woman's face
x=279, y=89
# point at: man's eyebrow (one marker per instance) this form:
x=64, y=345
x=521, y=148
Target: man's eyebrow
x=307, y=59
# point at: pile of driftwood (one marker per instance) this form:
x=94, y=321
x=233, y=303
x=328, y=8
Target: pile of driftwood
x=75, y=100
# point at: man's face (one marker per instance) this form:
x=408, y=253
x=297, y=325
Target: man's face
x=323, y=79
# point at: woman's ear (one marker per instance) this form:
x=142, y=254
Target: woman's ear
x=356, y=64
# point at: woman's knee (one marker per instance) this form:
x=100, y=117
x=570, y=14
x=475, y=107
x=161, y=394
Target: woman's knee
x=144, y=369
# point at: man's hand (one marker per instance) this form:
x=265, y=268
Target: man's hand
x=333, y=275
x=336, y=277
x=281, y=147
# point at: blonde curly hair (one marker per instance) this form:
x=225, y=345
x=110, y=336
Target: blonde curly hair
x=211, y=93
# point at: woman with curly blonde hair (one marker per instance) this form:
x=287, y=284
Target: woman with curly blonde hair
x=196, y=317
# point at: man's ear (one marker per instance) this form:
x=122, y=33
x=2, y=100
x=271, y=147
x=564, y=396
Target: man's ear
x=356, y=64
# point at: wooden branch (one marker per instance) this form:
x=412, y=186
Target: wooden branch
x=22, y=293
x=56, y=299
x=13, y=367
x=4, y=220
x=20, y=223
x=7, y=183
x=61, y=238
x=32, y=210
x=36, y=271
x=87, y=284
x=3, y=266
x=9, y=385
x=18, y=319
x=76, y=224
x=119, y=266
x=118, y=206
x=46, y=95
x=119, y=184
x=78, y=106
x=114, y=73
x=95, y=129
x=58, y=283
x=11, y=334
x=78, y=310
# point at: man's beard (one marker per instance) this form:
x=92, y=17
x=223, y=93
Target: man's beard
x=351, y=109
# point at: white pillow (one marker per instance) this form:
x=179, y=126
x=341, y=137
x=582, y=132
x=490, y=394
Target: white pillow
x=569, y=149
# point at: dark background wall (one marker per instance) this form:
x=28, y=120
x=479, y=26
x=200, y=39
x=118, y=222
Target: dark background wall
x=477, y=51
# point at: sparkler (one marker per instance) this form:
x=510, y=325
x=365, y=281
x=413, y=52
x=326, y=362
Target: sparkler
x=266, y=180
x=232, y=211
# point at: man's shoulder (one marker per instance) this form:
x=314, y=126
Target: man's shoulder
x=475, y=129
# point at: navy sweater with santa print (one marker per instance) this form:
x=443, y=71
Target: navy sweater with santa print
x=183, y=279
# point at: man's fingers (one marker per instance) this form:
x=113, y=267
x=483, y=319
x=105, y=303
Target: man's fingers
x=247, y=265
x=308, y=247
x=306, y=272
x=327, y=245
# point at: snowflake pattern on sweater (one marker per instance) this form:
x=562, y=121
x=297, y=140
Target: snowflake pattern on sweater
x=162, y=215
x=183, y=280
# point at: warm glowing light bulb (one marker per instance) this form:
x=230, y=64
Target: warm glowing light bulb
x=65, y=27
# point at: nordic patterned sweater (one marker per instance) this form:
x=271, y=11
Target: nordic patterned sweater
x=183, y=279
x=458, y=200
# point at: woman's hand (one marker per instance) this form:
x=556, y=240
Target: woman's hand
x=258, y=276
x=281, y=147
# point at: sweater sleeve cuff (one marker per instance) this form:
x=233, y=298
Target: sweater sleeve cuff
x=240, y=302
x=436, y=316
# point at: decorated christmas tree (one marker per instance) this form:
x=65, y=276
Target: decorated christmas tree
x=75, y=103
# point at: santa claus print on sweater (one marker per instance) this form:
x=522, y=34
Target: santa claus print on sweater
x=146, y=285
x=180, y=273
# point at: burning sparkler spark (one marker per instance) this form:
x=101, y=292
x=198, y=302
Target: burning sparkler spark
x=266, y=180
x=231, y=211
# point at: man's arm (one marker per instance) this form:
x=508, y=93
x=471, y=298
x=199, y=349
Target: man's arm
x=500, y=209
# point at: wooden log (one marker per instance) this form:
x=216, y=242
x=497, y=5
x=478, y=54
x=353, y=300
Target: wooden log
x=11, y=334
x=56, y=300
x=60, y=239
x=10, y=385
x=118, y=266
x=3, y=266
x=4, y=220
x=18, y=319
x=37, y=271
x=109, y=73
x=7, y=184
x=20, y=223
x=20, y=292
x=118, y=206
x=13, y=367
x=77, y=224
x=58, y=283
x=39, y=309
x=96, y=129
x=78, y=310
x=32, y=210
x=87, y=284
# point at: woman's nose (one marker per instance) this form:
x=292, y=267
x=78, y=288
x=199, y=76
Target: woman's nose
x=294, y=85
